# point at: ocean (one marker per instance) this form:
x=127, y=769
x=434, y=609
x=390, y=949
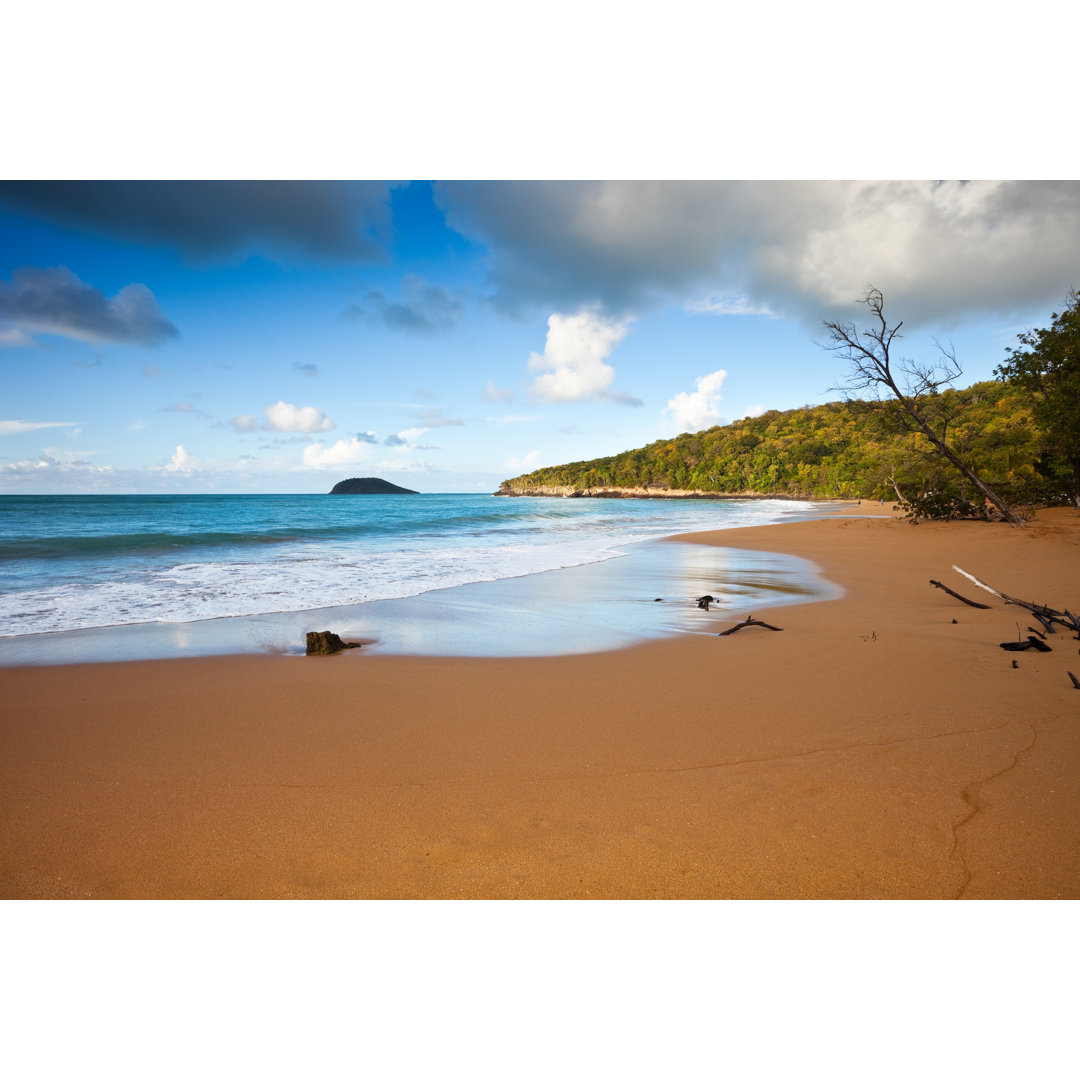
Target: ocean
x=70, y=565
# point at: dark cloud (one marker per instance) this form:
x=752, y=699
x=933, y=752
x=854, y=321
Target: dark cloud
x=367, y=437
x=215, y=218
x=394, y=440
x=940, y=251
x=424, y=308
x=55, y=301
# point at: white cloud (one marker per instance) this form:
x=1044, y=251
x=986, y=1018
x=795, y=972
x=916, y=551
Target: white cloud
x=574, y=355
x=343, y=452
x=285, y=417
x=180, y=462
x=47, y=466
x=754, y=410
x=17, y=427
x=721, y=304
x=524, y=464
x=701, y=409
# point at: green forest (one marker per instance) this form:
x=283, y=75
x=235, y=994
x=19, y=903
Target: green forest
x=940, y=451
x=845, y=450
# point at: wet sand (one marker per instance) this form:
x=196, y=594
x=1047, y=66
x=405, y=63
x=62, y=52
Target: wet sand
x=881, y=746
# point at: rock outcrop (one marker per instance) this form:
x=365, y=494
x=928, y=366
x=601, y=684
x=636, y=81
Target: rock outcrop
x=326, y=643
x=369, y=485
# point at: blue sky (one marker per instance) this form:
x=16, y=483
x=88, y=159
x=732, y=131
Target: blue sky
x=232, y=337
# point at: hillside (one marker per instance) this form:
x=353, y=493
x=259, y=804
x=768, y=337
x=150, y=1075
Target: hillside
x=840, y=450
x=369, y=485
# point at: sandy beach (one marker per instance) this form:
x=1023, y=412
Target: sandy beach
x=882, y=746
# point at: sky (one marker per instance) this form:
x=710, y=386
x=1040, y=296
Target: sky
x=279, y=336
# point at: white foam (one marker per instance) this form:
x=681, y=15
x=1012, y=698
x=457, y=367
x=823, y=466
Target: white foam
x=304, y=576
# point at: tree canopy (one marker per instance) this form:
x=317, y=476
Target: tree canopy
x=1047, y=367
x=843, y=449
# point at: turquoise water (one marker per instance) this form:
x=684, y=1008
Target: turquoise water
x=173, y=564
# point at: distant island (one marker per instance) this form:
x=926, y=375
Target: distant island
x=369, y=485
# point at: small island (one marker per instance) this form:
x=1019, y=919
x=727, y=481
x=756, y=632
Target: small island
x=369, y=485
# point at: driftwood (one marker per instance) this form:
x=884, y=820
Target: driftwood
x=1075, y=680
x=703, y=602
x=1031, y=643
x=1047, y=616
x=748, y=621
x=963, y=599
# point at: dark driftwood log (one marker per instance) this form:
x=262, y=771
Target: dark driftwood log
x=704, y=602
x=1031, y=643
x=1075, y=680
x=964, y=599
x=748, y=621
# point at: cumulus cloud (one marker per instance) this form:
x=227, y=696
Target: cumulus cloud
x=939, y=251
x=395, y=440
x=574, y=355
x=424, y=308
x=215, y=218
x=285, y=417
x=180, y=462
x=55, y=301
x=282, y=416
x=18, y=427
x=343, y=452
x=700, y=409
x=754, y=410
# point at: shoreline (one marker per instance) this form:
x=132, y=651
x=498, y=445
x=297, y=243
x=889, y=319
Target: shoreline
x=882, y=746
x=583, y=607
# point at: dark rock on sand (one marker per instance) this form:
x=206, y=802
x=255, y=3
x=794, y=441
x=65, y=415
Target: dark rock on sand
x=326, y=643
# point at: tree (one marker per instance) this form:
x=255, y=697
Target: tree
x=914, y=385
x=1048, y=368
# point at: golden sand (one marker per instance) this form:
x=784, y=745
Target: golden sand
x=882, y=746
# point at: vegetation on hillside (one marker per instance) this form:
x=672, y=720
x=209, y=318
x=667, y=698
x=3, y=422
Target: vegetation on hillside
x=851, y=449
x=940, y=451
x=1048, y=369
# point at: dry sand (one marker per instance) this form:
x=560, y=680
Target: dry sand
x=881, y=746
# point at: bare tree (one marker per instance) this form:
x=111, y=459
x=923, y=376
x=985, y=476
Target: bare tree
x=914, y=385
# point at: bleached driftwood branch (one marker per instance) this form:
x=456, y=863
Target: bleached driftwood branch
x=1047, y=616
